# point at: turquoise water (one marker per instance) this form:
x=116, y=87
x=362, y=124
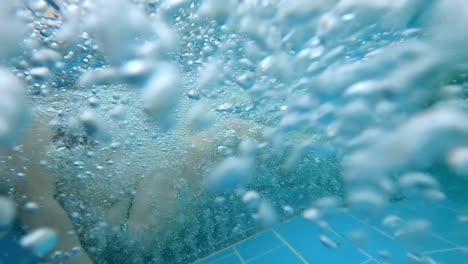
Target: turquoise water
x=237, y=131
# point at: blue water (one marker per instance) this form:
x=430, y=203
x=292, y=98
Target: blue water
x=253, y=131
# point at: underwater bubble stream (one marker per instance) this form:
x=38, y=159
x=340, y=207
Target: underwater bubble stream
x=164, y=131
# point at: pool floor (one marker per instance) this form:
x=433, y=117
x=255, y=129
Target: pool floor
x=298, y=241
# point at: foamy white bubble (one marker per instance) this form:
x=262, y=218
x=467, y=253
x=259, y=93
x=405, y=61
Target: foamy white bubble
x=40, y=241
x=328, y=242
x=162, y=94
x=419, y=185
x=231, y=173
x=251, y=199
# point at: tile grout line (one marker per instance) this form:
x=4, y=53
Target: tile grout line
x=445, y=250
x=230, y=246
x=216, y=260
x=280, y=237
x=373, y=227
x=359, y=248
x=247, y=238
x=456, y=246
x=368, y=261
x=416, y=211
x=243, y=240
x=266, y=253
x=450, y=208
x=446, y=240
x=239, y=255
x=224, y=257
x=394, y=238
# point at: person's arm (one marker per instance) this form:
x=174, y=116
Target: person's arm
x=38, y=186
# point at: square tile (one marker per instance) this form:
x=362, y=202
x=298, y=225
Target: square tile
x=230, y=259
x=458, y=193
x=258, y=245
x=451, y=257
x=455, y=206
x=445, y=222
x=374, y=243
x=281, y=255
x=431, y=243
x=304, y=237
x=370, y=261
x=217, y=256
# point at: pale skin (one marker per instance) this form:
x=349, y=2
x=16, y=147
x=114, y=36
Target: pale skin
x=154, y=193
x=38, y=187
x=157, y=191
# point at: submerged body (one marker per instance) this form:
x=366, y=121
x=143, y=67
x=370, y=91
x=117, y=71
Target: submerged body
x=147, y=212
x=150, y=197
x=36, y=185
x=164, y=130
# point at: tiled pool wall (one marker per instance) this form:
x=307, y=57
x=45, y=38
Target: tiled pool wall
x=298, y=240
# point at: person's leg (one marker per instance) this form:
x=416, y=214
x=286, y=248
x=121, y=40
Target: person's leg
x=159, y=200
x=38, y=187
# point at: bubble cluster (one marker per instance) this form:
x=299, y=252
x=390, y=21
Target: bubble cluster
x=157, y=129
x=7, y=213
x=40, y=242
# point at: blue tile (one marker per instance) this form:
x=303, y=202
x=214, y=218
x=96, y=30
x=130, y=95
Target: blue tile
x=458, y=234
x=344, y=223
x=450, y=257
x=217, y=256
x=280, y=255
x=445, y=222
x=455, y=206
x=375, y=242
x=230, y=259
x=392, y=209
x=458, y=193
x=304, y=237
x=431, y=243
x=370, y=261
x=258, y=245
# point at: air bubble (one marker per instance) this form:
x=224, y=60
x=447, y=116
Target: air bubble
x=162, y=94
x=312, y=214
x=40, y=72
x=266, y=214
x=420, y=185
x=458, y=160
x=40, y=241
x=251, y=199
x=7, y=213
x=31, y=207
x=231, y=173
x=225, y=107
x=200, y=118
x=328, y=242
x=366, y=202
x=94, y=125
x=37, y=5
x=392, y=221
x=414, y=231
